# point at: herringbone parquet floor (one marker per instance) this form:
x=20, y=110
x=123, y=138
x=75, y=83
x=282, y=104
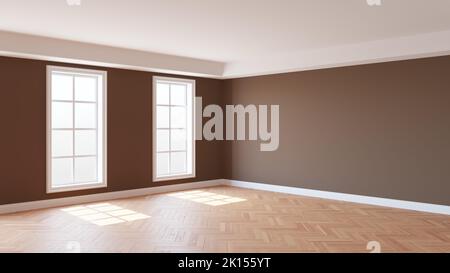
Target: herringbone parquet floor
x=223, y=219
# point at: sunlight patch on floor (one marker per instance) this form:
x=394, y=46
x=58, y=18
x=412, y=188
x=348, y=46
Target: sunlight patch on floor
x=105, y=214
x=207, y=198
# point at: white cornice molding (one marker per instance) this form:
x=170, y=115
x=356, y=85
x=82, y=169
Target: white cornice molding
x=50, y=49
x=395, y=49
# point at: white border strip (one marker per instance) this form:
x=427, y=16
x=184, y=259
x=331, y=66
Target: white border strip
x=59, y=202
x=393, y=49
x=59, y=50
x=377, y=201
x=28, y=46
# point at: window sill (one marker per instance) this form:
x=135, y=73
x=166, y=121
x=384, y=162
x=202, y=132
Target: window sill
x=173, y=177
x=77, y=187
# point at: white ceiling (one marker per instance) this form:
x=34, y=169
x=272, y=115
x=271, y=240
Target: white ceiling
x=237, y=33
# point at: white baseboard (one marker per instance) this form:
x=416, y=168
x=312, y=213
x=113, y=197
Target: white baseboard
x=59, y=202
x=378, y=201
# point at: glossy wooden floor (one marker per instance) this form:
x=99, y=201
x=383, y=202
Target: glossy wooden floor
x=223, y=219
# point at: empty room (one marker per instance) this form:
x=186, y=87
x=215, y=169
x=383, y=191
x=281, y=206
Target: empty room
x=225, y=127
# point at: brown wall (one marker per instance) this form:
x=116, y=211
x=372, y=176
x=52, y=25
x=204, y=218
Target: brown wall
x=23, y=133
x=378, y=130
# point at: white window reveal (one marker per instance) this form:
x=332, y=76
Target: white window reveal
x=173, y=128
x=76, y=129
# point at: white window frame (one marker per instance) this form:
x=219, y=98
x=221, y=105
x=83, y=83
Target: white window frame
x=79, y=186
x=154, y=129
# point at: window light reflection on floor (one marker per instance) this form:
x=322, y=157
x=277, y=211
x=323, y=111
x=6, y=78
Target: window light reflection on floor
x=105, y=214
x=208, y=198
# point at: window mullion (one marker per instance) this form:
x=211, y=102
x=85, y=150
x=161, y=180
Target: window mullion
x=73, y=129
x=186, y=125
x=170, y=129
x=96, y=126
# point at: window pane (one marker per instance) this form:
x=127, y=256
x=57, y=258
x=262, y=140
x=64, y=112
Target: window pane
x=162, y=164
x=162, y=140
x=62, y=143
x=62, y=87
x=162, y=117
x=74, y=132
x=177, y=94
x=178, y=140
x=85, y=143
x=85, y=115
x=174, y=126
x=178, y=162
x=62, y=115
x=86, y=169
x=62, y=171
x=86, y=88
x=162, y=93
x=178, y=117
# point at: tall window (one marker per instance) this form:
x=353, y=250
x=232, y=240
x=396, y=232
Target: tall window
x=173, y=128
x=76, y=129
